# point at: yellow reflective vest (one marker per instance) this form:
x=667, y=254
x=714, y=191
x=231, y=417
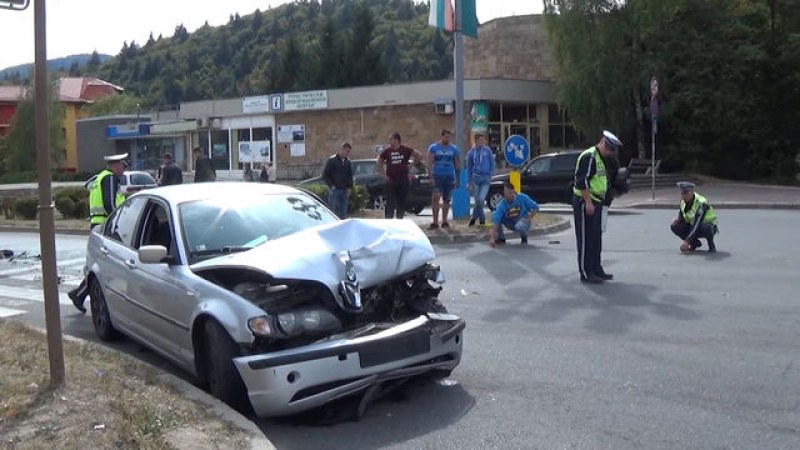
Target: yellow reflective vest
x=97, y=211
x=699, y=200
x=598, y=184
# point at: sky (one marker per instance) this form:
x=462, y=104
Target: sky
x=83, y=26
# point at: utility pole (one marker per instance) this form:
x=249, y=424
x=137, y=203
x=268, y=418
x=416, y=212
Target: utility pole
x=460, y=202
x=47, y=242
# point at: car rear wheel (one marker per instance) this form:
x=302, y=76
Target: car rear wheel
x=378, y=202
x=495, y=197
x=101, y=319
x=224, y=381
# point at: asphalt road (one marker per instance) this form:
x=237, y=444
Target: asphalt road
x=680, y=351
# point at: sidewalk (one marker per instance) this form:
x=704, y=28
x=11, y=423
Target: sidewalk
x=719, y=194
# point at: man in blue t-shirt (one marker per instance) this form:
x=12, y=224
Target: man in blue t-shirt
x=443, y=165
x=514, y=212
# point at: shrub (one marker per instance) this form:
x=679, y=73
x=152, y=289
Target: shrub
x=26, y=207
x=359, y=197
x=72, y=202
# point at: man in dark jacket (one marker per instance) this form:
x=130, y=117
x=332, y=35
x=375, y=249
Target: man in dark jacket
x=203, y=169
x=171, y=173
x=338, y=175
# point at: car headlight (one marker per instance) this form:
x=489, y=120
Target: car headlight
x=260, y=326
x=434, y=273
x=295, y=323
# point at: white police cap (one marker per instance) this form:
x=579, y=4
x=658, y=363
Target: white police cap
x=685, y=186
x=116, y=158
x=611, y=140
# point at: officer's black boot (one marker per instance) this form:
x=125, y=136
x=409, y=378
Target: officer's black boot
x=711, y=247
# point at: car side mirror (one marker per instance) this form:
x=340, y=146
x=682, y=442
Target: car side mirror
x=153, y=254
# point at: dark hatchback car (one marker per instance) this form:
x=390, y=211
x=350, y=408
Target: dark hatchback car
x=549, y=179
x=365, y=173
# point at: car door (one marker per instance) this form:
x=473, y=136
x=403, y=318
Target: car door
x=563, y=173
x=116, y=251
x=537, y=180
x=161, y=292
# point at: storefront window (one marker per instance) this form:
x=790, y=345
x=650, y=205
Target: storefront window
x=242, y=135
x=495, y=113
x=515, y=113
x=220, y=152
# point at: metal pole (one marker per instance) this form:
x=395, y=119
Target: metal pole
x=460, y=205
x=47, y=241
x=653, y=159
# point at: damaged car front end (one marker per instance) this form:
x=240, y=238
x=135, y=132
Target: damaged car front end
x=344, y=307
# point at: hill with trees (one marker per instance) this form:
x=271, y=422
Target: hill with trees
x=69, y=64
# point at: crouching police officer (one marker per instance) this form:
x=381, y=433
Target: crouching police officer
x=104, y=197
x=696, y=219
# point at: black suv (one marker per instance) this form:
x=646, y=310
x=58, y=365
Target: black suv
x=365, y=174
x=549, y=179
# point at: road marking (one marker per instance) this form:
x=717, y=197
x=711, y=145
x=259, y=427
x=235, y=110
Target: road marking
x=38, y=267
x=8, y=312
x=35, y=295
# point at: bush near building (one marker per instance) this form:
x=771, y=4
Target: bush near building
x=26, y=207
x=358, y=196
x=72, y=202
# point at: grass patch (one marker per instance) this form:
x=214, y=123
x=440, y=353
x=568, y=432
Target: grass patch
x=109, y=401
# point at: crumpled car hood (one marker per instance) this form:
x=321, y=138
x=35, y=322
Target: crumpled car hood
x=379, y=249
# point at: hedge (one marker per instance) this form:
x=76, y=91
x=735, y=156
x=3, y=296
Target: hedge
x=72, y=202
x=26, y=207
x=359, y=197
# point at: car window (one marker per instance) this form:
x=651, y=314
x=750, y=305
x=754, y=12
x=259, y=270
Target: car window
x=541, y=165
x=140, y=179
x=156, y=229
x=121, y=225
x=213, y=227
x=123, y=180
x=565, y=162
x=362, y=169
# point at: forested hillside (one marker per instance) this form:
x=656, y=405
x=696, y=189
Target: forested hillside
x=307, y=44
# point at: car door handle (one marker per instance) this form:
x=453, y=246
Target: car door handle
x=130, y=264
x=104, y=251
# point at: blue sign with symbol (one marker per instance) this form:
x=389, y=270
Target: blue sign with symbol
x=276, y=102
x=516, y=150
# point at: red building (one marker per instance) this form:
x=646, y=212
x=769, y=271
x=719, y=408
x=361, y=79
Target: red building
x=10, y=96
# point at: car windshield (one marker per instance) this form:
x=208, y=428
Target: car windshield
x=219, y=226
x=141, y=179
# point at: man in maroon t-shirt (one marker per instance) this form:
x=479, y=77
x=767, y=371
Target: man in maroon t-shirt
x=393, y=167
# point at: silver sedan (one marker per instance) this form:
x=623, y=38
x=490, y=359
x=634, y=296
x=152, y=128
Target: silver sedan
x=267, y=298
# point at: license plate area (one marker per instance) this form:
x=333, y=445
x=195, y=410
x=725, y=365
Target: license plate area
x=395, y=348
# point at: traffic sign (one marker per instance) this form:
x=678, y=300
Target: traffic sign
x=276, y=102
x=516, y=150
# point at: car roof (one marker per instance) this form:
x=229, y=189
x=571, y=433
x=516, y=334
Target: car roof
x=180, y=193
x=565, y=152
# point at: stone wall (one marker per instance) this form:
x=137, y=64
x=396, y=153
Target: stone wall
x=364, y=128
x=510, y=47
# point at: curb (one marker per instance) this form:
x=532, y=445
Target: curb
x=258, y=441
x=70, y=231
x=441, y=238
x=716, y=205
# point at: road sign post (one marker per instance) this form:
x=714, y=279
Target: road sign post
x=516, y=151
x=654, y=129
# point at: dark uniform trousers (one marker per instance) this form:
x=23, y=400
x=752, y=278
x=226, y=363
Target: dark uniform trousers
x=705, y=230
x=396, y=194
x=588, y=235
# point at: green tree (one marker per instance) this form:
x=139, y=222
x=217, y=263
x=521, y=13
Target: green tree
x=115, y=104
x=364, y=63
x=329, y=55
x=21, y=140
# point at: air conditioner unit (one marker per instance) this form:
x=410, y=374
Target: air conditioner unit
x=202, y=122
x=216, y=123
x=444, y=108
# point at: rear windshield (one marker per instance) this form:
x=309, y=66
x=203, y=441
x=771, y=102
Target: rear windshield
x=139, y=179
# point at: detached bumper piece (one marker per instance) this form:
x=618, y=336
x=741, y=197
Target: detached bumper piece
x=291, y=381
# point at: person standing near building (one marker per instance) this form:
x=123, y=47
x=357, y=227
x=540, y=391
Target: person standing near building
x=444, y=165
x=264, y=175
x=171, y=173
x=591, y=184
x=480, y=169
x=104, y=196
x=514, y=212
x=338, y=175
x=203, y=169
x=696, y=219
x=393, y=167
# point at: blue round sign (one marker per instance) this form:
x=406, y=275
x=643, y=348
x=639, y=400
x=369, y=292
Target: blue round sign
x=516, y=150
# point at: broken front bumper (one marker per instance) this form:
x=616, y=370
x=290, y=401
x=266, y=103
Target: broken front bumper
x=290, y=381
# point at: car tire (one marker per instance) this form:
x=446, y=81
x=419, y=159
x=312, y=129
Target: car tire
x=224, y=381
x=493, y=199
x=418, y=209
x=101, y=318
x=378, y=201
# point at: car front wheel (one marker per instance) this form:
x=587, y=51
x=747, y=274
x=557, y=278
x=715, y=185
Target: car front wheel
x=101, y=318
x=224, y=381
x=495, y=197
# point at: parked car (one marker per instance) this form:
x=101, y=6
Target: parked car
x=266, y=297
x=130, y=181
x=549, y=179
x=365, y=173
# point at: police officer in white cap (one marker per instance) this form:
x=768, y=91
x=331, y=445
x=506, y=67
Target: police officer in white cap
x=104, y=197
x=696, y=219
x=591, y=184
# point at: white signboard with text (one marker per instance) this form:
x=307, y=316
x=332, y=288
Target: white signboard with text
x=254, y=105
x=291, y=133
x=254, y=151
x=298, y=101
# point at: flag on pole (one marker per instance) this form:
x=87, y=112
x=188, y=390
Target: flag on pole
x=469, y=18
x=441, y=15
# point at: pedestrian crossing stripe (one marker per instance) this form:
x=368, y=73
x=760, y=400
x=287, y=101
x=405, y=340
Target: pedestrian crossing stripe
x=35, y=295
x=8, y=312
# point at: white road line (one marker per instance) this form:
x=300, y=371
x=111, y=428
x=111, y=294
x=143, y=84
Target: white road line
x=8, y=312
x=35, y=295
x=38, y=267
